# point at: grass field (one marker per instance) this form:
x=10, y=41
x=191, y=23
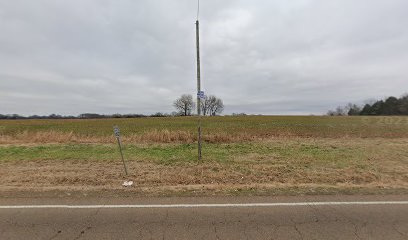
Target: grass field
x=216, y=129
x=242, y=155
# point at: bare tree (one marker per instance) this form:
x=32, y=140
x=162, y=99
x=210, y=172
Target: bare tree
x=212, y=105
x=339, y=111
x=184, y=104
x=218, y=107
x=205, y=106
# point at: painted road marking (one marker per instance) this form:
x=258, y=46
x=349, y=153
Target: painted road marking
x=216, y=205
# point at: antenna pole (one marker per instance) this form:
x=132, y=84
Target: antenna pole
x=198, y=88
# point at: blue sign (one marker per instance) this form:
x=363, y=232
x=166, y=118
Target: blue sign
x=200, y=94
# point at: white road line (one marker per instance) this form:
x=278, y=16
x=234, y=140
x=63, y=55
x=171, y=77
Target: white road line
x=216, y=205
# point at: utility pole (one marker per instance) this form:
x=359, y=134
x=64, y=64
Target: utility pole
x=198, y=88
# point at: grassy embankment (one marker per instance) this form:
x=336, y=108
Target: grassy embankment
x=270, y=155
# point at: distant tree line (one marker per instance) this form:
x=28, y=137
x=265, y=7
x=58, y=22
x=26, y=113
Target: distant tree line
x=84, y=116
x=240, y=114
x=387, y=107
x=185, y=105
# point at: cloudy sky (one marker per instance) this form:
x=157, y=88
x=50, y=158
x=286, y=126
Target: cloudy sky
x=267, y=57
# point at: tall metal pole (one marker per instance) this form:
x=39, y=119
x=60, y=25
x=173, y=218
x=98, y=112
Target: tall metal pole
x=121, y=154
x=198, y=88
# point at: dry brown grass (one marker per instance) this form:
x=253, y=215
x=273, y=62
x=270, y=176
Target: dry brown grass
x=152, y=136
x=216, y=129
x=45, y=137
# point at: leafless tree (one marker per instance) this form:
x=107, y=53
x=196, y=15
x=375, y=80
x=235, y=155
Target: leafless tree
x=217, y=107
x=205, y=106
x=340, y=111
x=184, y=104
x=212, y=105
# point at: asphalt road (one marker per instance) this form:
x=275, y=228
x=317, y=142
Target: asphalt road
x=285, y=218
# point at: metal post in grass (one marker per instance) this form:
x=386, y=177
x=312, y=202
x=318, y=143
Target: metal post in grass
x=116, y=131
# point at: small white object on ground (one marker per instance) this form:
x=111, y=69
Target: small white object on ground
x=127, y=183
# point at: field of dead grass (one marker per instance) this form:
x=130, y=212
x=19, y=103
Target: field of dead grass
x=215, y=129
x=265, y=155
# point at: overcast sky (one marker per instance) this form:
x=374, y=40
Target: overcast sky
x=266, y=57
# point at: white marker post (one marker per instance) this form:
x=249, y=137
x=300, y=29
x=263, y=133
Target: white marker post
x=116, y=130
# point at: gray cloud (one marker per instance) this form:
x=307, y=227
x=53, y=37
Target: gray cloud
x=269, y=57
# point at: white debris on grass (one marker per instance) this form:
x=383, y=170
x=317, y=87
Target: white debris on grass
x=127, y=183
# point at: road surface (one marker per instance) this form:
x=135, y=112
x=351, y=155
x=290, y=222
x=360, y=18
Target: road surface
x=335, y=217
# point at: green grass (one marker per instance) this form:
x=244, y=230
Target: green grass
x=331, y=153
x=306, y=160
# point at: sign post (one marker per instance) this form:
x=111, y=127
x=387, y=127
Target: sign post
x=116, y=131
